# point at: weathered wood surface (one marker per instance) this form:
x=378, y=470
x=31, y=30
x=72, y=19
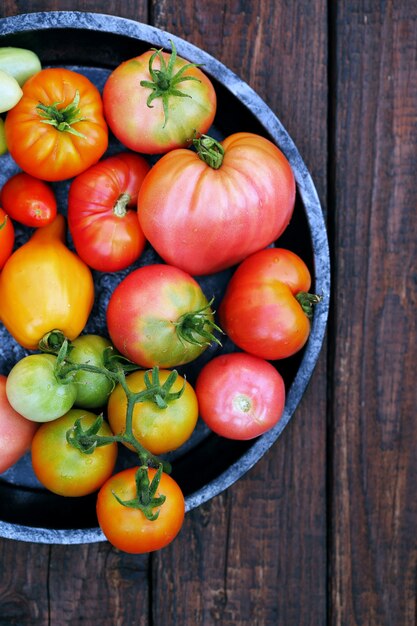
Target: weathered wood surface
x=323, y=529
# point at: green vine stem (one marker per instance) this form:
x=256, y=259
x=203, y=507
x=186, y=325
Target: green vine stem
x=116, y=366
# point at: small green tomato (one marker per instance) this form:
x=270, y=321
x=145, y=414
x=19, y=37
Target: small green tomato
x=19, y=63
x=10, y=92
x=34, y=390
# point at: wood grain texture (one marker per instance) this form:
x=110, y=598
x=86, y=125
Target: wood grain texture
x=374, y=391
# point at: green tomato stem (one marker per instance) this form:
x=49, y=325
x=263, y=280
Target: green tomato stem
x=209, y=150
x=307, y=302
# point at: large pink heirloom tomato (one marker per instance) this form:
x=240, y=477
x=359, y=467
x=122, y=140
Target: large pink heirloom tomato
x=158, y=101
x=205, y=211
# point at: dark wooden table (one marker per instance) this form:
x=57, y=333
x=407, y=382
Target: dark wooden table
x=323, y=529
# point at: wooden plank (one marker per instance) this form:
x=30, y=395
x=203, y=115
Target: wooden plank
x=374, y=390
x=257, y=554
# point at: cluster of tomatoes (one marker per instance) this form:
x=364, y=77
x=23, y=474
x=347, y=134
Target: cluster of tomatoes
x=204, y=206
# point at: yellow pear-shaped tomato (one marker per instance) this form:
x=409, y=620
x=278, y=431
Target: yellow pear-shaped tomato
x=44, y=286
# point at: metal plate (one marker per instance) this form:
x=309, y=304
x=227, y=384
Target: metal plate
x=206, y=465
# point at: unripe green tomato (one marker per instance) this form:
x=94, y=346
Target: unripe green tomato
x=92, y=389
x=35, y=392
x=10, y=92
x=3, y=144
x=19, y=63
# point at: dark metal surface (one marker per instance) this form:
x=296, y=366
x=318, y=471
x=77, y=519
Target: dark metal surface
x=94, y=44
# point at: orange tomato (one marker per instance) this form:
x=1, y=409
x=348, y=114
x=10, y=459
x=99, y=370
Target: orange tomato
x=57, y=129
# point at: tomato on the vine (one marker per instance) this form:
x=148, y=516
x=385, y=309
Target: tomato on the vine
x=102, y=216
x=34, y=390
x=240, y=396
x=6, y=237
x=158, y=101
x=28, y=200
x=158, y=429
x=57, y=129
x=127, y=527
x=16, y=432
x=64, y=469
x=92, y=388
x=266, y=308
x=159, y=315
x=205, y=211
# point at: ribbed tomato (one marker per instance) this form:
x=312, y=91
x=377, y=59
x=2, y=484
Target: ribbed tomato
x=205, y=211
x=57, y=129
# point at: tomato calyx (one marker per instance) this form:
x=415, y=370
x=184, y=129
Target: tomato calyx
x=196, y=327
x=307, y=302
x=145, y=499
x=164, y=82
x=62, y=119
x=209, y=150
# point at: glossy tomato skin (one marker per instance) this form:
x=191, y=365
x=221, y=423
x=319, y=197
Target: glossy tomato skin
x=92, y=389
x=6, y=237
x=143, y=312
x=128, y=529
x=158, y=430
x=28, y=200
x=63, y=469
x=260, y=312
x=102, y=214
x=204, y=220
x=42, y=150
x=34, y=391
x=145, y=129
x=16, y=432
x=240, y=396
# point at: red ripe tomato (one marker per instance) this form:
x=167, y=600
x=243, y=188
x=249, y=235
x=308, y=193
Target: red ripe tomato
x=16, y=432
x=6, y=237
x=262, y=310
x=159, y=315
x=28, y=200
x=57, y=129
x=207, y=211
x=127, y=528
x=102, y=215
x=158, y=101
x=240, y=396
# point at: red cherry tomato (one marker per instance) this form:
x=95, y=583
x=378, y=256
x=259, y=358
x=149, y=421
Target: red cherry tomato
x=102, y=215
x=240, y=396
x=29, y=200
